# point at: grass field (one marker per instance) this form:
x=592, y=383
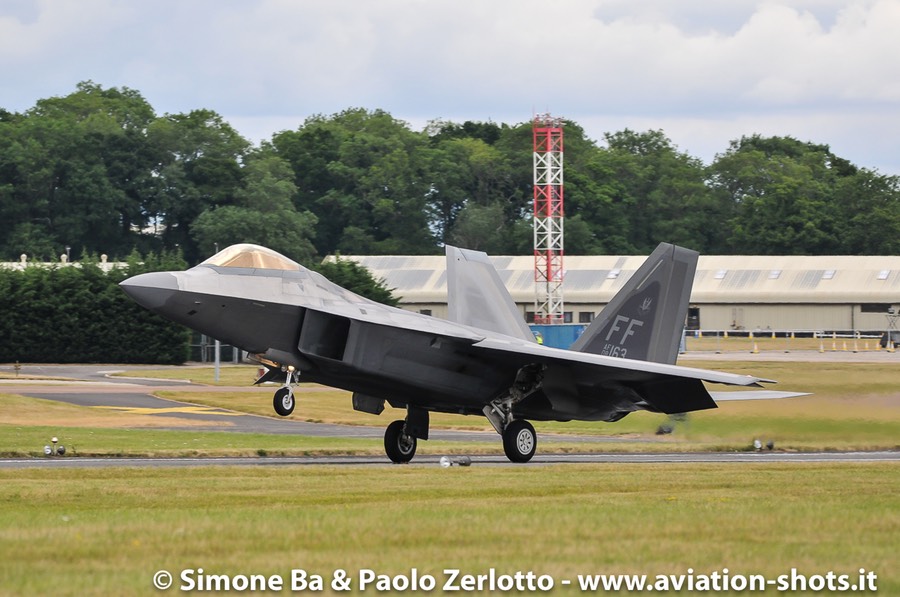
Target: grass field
x=105, y=532
x=852, y=406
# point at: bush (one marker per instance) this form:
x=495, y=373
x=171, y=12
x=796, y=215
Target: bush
x=63, y=314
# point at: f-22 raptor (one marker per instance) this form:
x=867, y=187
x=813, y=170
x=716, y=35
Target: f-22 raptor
x=483, y=360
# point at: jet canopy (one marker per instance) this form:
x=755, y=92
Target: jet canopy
x=255, y=256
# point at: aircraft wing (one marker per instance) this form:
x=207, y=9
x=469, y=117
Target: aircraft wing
x=597, y=387
x=755, y=395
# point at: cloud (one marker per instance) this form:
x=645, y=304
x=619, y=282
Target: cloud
x=800, y=64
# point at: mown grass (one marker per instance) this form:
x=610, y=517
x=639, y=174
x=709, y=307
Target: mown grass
x=18, y=441
x=102, y=532
x=229, y=375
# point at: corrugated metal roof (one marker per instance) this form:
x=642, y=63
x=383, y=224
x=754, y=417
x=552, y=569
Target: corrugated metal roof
x=740, y=279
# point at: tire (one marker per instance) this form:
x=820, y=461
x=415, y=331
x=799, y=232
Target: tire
x=519, y=441
x=399, y=446
x=284, y=402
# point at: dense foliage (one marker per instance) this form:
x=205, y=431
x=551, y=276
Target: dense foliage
x=100, y=171
x=66, y=314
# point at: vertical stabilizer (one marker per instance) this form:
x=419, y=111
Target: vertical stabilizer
x=477, y=297
x=645, y=319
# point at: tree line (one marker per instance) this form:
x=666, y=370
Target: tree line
x=99, y=171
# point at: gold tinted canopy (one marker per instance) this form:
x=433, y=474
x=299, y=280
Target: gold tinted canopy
x=247, y=255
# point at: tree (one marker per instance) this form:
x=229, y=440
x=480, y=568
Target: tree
x=361, y=171
x=868, y=213
x=263, y=214
x=780, y=195
x=71, y=172
x=199, y=169
x=358, y=279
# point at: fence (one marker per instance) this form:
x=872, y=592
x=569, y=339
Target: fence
x=753, y=341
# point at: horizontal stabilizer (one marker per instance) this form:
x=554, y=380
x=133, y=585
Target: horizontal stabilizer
x=755, y=395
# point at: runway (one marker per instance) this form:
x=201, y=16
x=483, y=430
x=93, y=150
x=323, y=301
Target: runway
x=433, y=460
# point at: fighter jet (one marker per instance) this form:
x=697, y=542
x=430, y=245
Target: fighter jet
x=482, y=361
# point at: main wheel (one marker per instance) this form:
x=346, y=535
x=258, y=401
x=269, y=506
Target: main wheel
x=284, y=402
x=519, y=441
x=399, y=446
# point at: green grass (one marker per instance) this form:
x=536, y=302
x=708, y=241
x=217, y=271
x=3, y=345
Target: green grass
x=853, y=406
x=88, y=441
x=229, y=375
x=102, y=532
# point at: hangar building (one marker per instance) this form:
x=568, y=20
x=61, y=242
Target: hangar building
x=825, y=293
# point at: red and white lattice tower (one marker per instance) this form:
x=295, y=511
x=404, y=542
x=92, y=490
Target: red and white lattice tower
x=548, y=219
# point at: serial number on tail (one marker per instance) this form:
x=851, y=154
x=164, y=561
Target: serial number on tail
x=613, y=350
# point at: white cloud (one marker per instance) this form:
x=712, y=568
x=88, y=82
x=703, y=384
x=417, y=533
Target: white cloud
x=784, y=66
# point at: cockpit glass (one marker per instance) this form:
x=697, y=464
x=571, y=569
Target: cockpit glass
x=247, y=255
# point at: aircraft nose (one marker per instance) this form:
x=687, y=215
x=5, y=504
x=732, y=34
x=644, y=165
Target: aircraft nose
x=151, y=290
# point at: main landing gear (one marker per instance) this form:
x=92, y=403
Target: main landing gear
x=519, y=441
x=402, y=437
x=398, y=445
x=519, y=438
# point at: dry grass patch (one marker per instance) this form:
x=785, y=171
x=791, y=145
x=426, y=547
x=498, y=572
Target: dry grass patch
x=25, y=411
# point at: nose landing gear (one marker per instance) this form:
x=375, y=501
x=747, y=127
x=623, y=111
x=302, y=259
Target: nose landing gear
x=284, y=398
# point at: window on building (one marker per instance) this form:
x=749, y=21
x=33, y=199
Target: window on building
x=720, y=275
x=874, y=308
x=425, y=311
x=828, y=274
x=529, y=316
x=567, y=317
x=883, y=274
x=585, y=316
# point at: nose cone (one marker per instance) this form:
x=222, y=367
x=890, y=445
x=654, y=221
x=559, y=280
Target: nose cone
x=151, y=290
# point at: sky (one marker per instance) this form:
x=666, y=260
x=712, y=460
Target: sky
x=705, y=72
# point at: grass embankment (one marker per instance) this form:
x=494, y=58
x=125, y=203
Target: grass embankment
x=102, y=532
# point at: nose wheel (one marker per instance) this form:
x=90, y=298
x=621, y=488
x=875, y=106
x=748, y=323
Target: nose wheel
x=284, y=401
x=284, y=397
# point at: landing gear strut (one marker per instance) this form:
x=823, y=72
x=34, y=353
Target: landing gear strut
x=519, y=438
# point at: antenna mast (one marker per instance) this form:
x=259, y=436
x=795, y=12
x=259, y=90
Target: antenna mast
x=548, y=219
